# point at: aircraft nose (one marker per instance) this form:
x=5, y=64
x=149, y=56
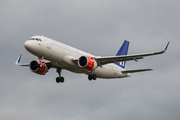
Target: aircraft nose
x=27, y=45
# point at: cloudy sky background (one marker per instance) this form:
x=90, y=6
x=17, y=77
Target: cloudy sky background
x=98, y=27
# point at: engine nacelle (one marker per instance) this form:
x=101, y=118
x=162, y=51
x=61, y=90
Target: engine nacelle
x=87, y=62
x=34, y=67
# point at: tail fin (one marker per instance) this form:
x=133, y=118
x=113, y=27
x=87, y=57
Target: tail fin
x=123, y=51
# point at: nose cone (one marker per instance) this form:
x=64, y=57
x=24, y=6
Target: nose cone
x=27, y=45
x=30, y=46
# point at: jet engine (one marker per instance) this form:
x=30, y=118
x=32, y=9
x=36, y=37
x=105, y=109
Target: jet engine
x=38, y=67
x=87, y=62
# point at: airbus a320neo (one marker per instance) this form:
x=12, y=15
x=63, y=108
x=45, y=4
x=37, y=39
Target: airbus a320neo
x=61, y=56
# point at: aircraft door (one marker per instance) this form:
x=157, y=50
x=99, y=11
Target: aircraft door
x=48, y=44
x=115, y=71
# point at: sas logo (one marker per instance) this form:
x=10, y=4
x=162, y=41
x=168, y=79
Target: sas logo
x=121, y=63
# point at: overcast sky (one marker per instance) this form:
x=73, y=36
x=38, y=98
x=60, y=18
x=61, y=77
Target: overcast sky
x=98, y=27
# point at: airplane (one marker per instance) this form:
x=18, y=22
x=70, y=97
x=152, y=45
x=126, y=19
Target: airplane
x=61, y=56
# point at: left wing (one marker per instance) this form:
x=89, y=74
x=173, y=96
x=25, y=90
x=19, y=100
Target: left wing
x=48, y=63
x=18, y=62
x=115, y=59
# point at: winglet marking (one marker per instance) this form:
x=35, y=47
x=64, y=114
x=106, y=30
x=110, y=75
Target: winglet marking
x=166, y=46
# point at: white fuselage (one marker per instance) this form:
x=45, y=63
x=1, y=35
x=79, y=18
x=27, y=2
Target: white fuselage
x=61, y=55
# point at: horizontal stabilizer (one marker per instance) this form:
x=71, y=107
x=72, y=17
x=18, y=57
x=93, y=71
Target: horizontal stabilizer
x=134, y=71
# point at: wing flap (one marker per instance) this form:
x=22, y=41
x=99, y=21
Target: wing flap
x=112, y=59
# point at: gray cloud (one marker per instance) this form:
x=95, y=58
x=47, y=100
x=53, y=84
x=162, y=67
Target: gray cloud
x=98, y=27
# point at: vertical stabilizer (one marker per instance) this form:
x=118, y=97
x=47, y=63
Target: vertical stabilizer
x=123, y=51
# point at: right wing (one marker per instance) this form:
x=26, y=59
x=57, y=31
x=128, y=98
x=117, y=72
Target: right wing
x=115, y=59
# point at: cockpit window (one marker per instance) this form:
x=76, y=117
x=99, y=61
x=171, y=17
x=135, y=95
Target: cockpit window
x=32, y=38
x=36, y=39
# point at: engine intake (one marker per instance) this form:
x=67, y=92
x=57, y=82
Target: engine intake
x=87, y=62
x=36, y=68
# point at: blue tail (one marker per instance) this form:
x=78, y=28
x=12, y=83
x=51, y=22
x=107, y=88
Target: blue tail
x=123, y=51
